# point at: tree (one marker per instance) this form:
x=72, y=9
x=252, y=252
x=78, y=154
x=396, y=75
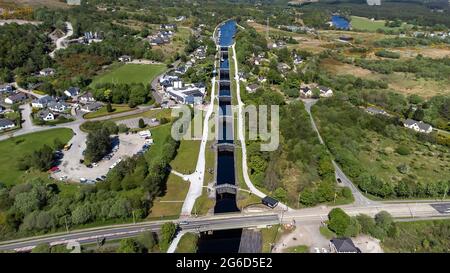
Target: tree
x=141, y=123
x=41, y=248
x=128, y=245
x=339, y=221
x=109, y=108
x=98, y=145
x=167, y=234
x=280, y=194
x=384, y=220
x=419, y=114
x=147, y=240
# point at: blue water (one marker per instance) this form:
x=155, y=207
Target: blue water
x=340, y=22
x=227, y=32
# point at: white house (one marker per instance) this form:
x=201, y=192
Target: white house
x=418, y=126
x=125, y=58
x=6, y=124
x=306, y=92
x=47, y=72
x=251, y=88
x=325, y=91
x=86, y=98
x=72, y=92
x=46, y=115
x=186, y=94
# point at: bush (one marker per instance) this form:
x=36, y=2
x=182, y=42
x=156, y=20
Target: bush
x=403, y=150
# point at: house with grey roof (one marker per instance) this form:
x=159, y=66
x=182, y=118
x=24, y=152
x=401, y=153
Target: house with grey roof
x=86, y=98
x=91, y=107
x=6, y=88
x=72, y=92
x=47, y=72
x=6, y=124
x=16, y=98
x=376, y=111
x=42, y=102
x=251, y=88
x=46, y=115
x=58, y=106
x=343, y=245
x=418, y=126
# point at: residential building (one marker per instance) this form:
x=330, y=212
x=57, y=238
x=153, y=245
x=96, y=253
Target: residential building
x=47, y=72
x=306, y=92
x=91, y=107
x=418, y=126
x=186, y=94
x=376, y=111
x=72, y=92
x=125, y=58
x=325, y=91
x=270, y=202
x=180, y=18
x=86, y=98
x=283, y=68
x=42, y=102
x=57, y=106
x=46, y=115
x=16, y=98
x=6, y=124
x=343, y=245
x=6, y=88
x=168, y=26
x=251, y=88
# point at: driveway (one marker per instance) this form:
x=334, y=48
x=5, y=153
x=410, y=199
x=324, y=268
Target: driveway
x=60, y=43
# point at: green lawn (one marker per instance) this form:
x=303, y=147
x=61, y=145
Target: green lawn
x=188, y=243
x=270, y=236
x=186, y=159
x=171, y=203
x=297, y=249
x=362, y=23
x=14, y=148
x=154, y=113
x=117, y=108
x=326, y=232
x=131, y=73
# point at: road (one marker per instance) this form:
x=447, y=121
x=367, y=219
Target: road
x=228, y=221
x=60, y=42
x=360, y=199
x=220, y=222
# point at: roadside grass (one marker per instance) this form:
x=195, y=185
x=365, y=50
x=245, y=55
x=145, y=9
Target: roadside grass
x=419, y=236
x=188, y=243
x=327, y=233
x=117, y=108
x=297, y=249
x=130, y=73
x=203, y=204
x=171, y=203
x=159, y=134
x=270, y=236
x=187, y=156
x=153, y=113
x=14, y=148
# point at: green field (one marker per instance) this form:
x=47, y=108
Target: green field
x=297, y=249
x=117, y=108
x=186, y=159
x=131, y=73
x=14, y=148
x=365, y=24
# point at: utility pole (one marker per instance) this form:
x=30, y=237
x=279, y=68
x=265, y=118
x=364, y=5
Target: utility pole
x=267, y=28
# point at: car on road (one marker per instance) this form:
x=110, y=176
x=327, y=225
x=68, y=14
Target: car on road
x=83, y=180
x=339, y=180
x=183, y=223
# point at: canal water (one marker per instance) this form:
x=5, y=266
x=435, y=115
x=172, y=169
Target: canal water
x=224, y=241
x=340, y=22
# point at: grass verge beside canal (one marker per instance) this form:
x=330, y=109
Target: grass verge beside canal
x=188, y=243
